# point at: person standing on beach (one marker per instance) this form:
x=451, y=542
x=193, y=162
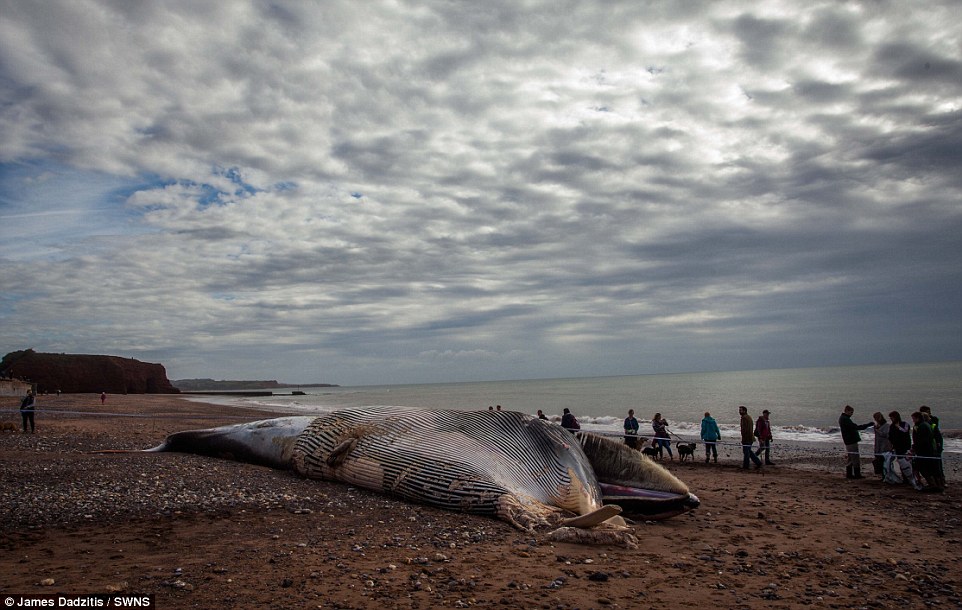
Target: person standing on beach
x=900, y=435
x=882, y=443
x=939, y=441
x=568, y=420
x=541, y=414
x=748, y=439
x=711, y=435
x=763, y=430
x=103, y=397
x=26, y=412
x=631, y=430
x=660, y=425
x=923, y=451
x=851, y=438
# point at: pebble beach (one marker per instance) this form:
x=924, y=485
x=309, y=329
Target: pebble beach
x=200, y=532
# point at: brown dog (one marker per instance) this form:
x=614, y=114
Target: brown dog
x=7, y=426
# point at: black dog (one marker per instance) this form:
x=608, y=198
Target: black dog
x=686, y=450
x=652, y=452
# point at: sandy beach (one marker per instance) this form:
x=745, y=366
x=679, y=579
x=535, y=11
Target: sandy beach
x=198, y=532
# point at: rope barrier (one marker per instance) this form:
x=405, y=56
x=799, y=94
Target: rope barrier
x=773, y=446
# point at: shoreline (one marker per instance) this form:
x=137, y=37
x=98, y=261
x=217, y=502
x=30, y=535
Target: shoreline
x=202, y=532
x=610, y=425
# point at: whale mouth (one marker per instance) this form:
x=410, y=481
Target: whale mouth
x=648, y=504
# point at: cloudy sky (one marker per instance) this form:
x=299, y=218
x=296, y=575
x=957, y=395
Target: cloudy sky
x=393, y=192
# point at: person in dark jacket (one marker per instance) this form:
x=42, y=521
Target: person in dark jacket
x=662, y=441
x=26, y=412
x=882, y=443
x=748, y=438
x=851, y=438
x=568, y=421
x=631, y=429
x=900, y=434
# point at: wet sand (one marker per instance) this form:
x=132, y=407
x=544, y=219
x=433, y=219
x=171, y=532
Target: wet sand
x=200, y=532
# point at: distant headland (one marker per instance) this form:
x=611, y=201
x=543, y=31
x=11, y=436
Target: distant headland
x=86, y=373
x=224, y=385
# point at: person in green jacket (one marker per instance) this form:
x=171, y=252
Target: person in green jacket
x=711, y=435
x=933, y=421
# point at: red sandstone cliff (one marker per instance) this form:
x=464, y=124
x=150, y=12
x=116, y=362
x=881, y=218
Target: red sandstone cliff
x=75, y=373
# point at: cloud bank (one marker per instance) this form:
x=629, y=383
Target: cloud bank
x=400, y=192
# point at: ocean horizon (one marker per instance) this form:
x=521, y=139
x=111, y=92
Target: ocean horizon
x=805, y=403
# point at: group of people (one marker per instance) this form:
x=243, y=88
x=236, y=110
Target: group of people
x=750, y=430
x=661, y=441
x=711, y=435
x=903, y=453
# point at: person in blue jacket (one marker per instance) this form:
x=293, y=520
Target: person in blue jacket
x=711, y=435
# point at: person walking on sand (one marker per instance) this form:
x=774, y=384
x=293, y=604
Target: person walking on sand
x=631, y=430
x=763, y=431
x=103, y=397
x=568, y=420
x=851, y=438
x=27, y=412
x=711, y=435
x=748, y=438
x=882, y=443
x=660, y=425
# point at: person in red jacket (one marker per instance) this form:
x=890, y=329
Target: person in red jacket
x=763, y=432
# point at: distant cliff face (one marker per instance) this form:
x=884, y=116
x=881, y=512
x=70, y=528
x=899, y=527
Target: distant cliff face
x=75, y=373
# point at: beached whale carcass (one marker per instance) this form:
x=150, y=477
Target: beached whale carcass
x=506, y=464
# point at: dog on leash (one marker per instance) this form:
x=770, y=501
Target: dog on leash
x=652, y=452
x=686, y=451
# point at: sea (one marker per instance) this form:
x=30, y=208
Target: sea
x=805, y=403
